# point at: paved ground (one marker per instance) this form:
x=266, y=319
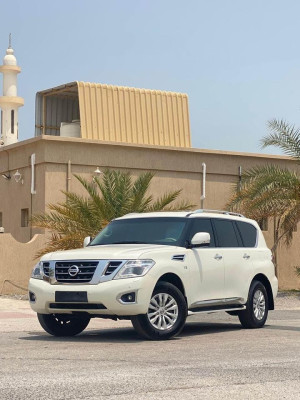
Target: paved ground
x=212, y=359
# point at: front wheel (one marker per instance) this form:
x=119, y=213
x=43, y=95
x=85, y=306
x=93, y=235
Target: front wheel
x=63, y=324
x=257, y=307
x=166, y=314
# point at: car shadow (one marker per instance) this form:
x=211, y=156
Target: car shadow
x=129, y=335
x=205, y=328
x=283, y=328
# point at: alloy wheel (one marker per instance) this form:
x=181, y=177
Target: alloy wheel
x=259, y=305
x=162, y=311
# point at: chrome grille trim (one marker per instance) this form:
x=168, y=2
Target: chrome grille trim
x=55, y=277
x=85, y=274
x=111, y=267
x=46, y=268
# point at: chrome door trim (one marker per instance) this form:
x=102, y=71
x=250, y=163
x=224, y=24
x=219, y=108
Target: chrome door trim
x=191, y=312
x=218, y=302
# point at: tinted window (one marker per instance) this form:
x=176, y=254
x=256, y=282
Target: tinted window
x=202, y=225
x=225, y=233
x=248, y=233
x=160, y=230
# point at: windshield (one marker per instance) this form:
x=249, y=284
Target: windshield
x=160, y=230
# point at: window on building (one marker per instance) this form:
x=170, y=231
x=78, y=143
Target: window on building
x=1, y=221
x=24, y=217
x=226, y=233
x=12, y=129
x=263, y=224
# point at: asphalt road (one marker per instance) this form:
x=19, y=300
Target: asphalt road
x=212, y=359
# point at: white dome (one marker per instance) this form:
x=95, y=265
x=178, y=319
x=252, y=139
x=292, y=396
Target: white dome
x=9, y=59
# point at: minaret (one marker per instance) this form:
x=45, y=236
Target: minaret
x=9, y=102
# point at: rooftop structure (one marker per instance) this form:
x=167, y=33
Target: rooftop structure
x=114, y=113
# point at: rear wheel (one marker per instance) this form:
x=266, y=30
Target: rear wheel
x=257, y=307
x=63, y=324
x=166, y=314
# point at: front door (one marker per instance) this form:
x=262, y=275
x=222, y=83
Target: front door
x=208, y=274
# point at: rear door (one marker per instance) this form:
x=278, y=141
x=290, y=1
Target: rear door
x=237, y=261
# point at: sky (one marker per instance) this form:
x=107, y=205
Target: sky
x=238, y=60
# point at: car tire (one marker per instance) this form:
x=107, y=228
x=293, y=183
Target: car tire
x=257, y=307
x=63, y=324
x=166, y=314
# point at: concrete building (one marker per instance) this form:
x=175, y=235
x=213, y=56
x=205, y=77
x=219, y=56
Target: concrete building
x=57, y=158
x=81, y=126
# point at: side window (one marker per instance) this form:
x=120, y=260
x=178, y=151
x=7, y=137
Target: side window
x=202, y=225
x=248, y=233
x=226, y=233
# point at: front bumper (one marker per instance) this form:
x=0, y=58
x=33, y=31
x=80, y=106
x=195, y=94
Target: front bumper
x=105, y=293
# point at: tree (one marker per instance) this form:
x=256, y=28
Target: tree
x=113, y=195
x=271, y=191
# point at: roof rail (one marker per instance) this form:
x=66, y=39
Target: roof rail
x=215, y=212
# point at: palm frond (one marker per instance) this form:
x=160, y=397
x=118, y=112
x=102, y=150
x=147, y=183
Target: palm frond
x=284, y=136
x=112, y=196
x=164, y=201
x=269, y=187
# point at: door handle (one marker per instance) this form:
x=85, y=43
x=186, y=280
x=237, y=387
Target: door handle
x=218, y=257
x=246, y=257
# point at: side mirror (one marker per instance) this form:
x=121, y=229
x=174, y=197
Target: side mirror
x=200, y=239
x=87, y=241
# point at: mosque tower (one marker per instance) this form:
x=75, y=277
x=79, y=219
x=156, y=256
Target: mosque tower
x=9, y=102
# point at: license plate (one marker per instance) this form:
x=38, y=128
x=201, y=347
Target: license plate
x=73, y=297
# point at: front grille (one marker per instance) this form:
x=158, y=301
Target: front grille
x=77, y=306
x=84, y=275
x=111, y=267
x=46, y=267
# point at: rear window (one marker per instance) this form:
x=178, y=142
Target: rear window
x=248, y=233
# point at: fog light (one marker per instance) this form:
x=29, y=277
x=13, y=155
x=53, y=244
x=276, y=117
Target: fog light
x=128, y=298
x=32, y=297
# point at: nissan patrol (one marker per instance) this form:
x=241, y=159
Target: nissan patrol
x=155, y=269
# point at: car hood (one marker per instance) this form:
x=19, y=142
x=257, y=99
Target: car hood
x=108, y=252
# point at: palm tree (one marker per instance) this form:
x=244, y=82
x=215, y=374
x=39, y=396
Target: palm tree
x=271, y=191
x=112, y=196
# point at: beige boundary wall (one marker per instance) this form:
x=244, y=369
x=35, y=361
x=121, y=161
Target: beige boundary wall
x=57, y=159
x=16, y=262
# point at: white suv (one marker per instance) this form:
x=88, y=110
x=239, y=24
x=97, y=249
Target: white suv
x=156, y=269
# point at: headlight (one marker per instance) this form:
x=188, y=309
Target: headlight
x=37, y=272
x=134, y=268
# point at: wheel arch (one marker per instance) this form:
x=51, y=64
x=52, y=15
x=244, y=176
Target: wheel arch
x=170, y=277
x=265, y=281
